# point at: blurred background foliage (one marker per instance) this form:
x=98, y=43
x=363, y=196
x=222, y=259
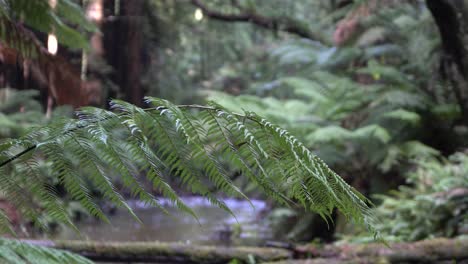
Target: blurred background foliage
x=361, y=83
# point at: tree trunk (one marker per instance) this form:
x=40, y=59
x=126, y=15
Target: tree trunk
x=123, y=39
x=451, y=17
x=134, y=30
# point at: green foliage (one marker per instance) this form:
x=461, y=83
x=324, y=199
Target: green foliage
x=15, y=252
x=170, y=141
x=19, y=111
x=367, y=108
x=67, y=21
x=338, y=117
x=433, y=205
x=205, y=54
x=367, y=100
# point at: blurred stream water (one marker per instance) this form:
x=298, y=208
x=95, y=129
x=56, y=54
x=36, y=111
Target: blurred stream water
x=214, y=226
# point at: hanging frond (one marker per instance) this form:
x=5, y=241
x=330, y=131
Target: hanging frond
x=16, y=252
x=189, y=142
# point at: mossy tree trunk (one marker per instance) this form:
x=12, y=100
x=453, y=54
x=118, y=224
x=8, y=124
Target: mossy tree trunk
x=441, y=250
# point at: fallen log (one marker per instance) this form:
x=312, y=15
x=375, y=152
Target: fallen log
x=333, y=261
x=160, y=252
x=426, y=251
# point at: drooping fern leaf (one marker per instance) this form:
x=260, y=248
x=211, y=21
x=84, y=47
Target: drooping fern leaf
x=187, y=142
x=17, y=252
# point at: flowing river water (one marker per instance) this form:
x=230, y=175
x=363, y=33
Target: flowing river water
x=214, y=226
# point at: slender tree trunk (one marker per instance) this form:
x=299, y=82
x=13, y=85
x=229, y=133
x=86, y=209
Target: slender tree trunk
x=133, y=88
x=92, y=61
x=123, y=39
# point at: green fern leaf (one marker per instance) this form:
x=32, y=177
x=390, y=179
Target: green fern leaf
x=187, y=142
x=17, y=252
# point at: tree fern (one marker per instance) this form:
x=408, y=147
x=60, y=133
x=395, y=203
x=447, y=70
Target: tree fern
x=178, y=141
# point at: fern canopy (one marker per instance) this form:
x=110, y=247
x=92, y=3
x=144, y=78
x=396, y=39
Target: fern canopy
x=190, y=142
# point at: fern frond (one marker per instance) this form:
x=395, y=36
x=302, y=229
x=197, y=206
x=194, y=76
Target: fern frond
x=21, y=187
x=174, y=154
x=110, y=151
x=190, y=142
x=327, y=189
x=196, y=135
x=16, y=252
x=5, y=225
x=64, y=169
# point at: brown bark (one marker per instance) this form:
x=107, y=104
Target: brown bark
x=55, y=74
x=132, y=83
x=123, y=45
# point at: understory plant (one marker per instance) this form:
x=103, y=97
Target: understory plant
x=368, y=106
x=433, y=204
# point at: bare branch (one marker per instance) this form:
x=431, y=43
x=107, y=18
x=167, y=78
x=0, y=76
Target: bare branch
x=275, y=23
